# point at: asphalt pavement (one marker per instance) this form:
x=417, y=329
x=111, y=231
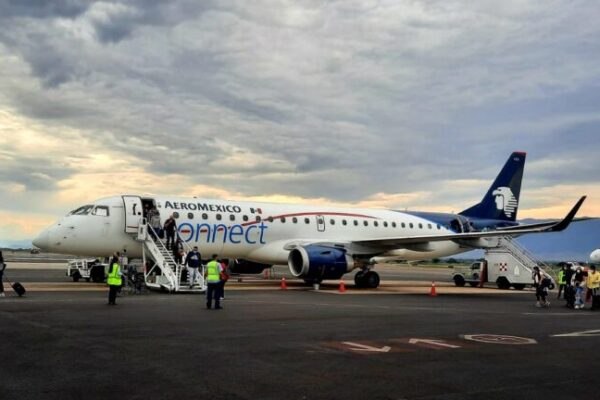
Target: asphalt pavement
x=296, y=344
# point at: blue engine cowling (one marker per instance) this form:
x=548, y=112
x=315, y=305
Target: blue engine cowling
x=315, y=262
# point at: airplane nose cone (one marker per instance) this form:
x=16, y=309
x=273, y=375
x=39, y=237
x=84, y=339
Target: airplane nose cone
x=42, y=241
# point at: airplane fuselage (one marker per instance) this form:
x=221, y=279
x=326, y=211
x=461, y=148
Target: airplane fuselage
x=238, y=229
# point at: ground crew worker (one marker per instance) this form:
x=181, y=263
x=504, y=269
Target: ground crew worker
x=213, y=282
x=114, y=280
x=562, y=281
x=593, y=285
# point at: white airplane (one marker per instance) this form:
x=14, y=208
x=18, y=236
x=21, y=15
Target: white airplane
x=316, y=242
x=595, y=256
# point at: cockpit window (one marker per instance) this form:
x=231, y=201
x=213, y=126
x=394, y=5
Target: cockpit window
x=85, y=210
x=101, y=211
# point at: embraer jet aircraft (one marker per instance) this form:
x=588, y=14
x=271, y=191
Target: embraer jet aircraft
x=316, y=242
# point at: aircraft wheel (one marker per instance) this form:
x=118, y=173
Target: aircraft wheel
x=371, y=280
x=359, y=279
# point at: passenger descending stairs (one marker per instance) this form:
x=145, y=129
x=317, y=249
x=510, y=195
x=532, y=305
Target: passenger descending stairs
x=166, y=274
x=521, y=254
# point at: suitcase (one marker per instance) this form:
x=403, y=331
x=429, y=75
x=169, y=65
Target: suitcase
x=18, y=288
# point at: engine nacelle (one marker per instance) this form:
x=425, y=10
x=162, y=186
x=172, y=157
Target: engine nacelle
x=246, y=267
x=314, y=262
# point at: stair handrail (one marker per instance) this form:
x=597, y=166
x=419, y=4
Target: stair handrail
x=519, y=254
x=528, y=254
x=163, y=258
x=518, y=251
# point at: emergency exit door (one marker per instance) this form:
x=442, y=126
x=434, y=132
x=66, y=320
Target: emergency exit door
x=133, y=213
x=320, y=223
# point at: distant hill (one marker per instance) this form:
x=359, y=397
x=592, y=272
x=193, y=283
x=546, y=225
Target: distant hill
x=15, y=244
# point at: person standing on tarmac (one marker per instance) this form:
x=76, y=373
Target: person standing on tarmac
x=114, y=280
x=213, y=283
x=224, y=278
x=593, y=285
x=540, y=293
x=2, y=267
x=569, y=286
x=562, y=282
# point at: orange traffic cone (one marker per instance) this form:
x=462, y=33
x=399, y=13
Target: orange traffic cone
x=432, y=293
x=342, y=287
x=283, y=284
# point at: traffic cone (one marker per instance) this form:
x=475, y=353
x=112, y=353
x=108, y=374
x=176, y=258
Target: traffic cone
x=283, y=284
x=342, y=287
x=432, y=292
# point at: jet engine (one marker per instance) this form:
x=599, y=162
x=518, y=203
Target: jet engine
x=314, y=263
x=246, y=267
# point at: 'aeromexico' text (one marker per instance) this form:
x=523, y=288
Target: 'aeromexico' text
x=203, y=207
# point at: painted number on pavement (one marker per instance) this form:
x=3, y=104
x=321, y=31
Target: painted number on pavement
x=593, y=332
x=499, y=339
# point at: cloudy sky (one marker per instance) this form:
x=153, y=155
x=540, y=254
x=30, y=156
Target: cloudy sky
x=406, y=104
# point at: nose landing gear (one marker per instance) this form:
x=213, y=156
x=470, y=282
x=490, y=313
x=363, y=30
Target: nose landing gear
x=366, y=279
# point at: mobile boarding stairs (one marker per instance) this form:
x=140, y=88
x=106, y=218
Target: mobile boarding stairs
x=166, y=274
x=522, y=259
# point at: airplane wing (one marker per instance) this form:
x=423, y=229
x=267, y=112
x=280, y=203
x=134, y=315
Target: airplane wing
x=554, y=226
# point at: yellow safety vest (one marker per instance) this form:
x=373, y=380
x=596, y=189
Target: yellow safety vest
x=114, y=277
x=562, y=279
x=593, y=280
x=212, y=272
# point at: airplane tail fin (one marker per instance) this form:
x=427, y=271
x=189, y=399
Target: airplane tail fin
x=501, y=201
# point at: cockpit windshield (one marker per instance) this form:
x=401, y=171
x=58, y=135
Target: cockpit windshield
x=101, y=211
x=85, y=210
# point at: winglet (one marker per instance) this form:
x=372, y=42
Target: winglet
x=562, y=225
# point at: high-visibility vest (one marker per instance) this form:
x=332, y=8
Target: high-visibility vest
x=114, y=277
x=212, y=271
x=562, y=279
x=593, y=280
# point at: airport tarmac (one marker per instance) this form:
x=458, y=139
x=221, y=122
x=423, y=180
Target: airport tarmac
x=298, y=344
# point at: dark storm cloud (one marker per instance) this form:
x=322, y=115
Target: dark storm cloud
x=335, y=99
x=34, y=173
x=42, y=9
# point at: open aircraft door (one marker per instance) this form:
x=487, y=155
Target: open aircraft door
x=133, y=213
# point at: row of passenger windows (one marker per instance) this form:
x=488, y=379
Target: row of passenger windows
x=307, y=220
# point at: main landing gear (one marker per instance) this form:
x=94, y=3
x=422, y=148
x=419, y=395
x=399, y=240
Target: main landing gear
x=366, y=279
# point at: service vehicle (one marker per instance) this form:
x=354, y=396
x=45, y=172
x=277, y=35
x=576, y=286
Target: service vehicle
x=88, y=269
x=507, y=266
